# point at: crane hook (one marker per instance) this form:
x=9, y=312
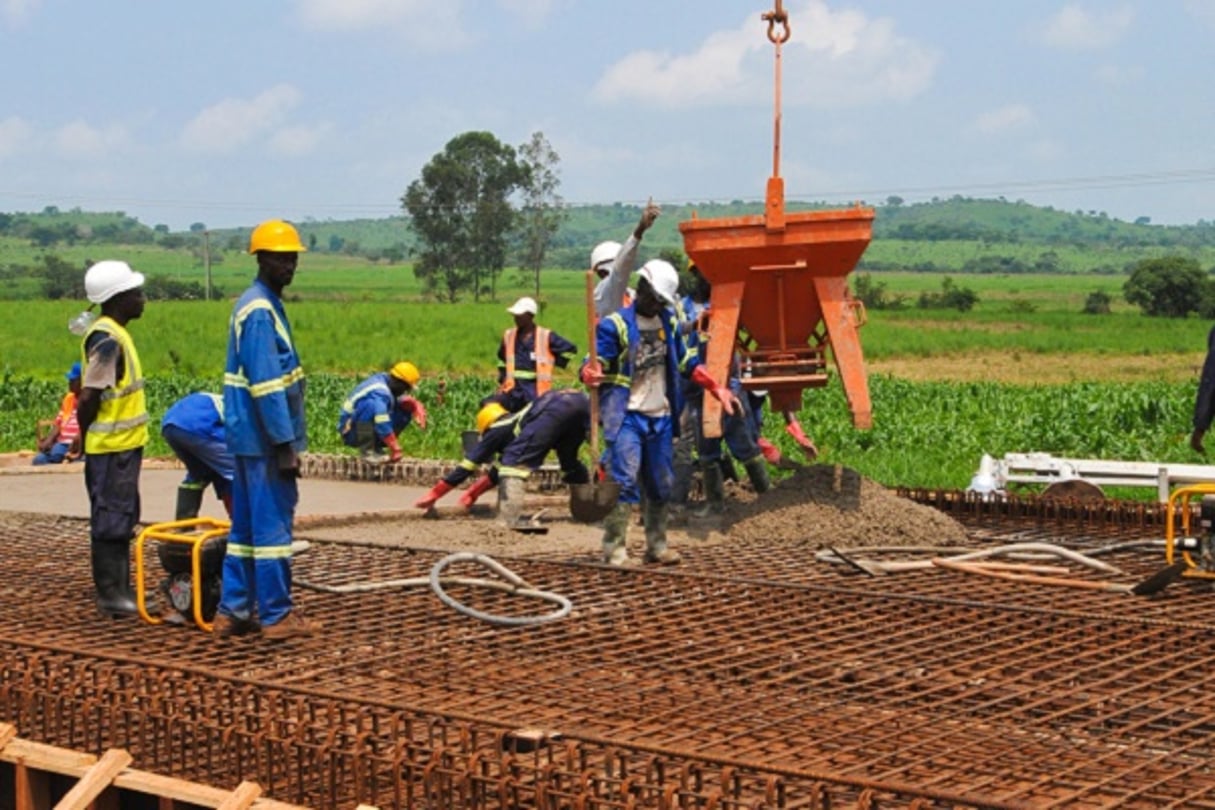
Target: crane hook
x=778, y=17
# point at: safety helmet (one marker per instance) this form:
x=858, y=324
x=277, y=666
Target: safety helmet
x=604, y=252
x=108, y=278
x=490, y=413
x=406, y=371
x=277, y=236
x=662, y=277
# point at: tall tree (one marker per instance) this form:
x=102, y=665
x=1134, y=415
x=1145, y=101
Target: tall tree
x=462, y=214
x=542, y=211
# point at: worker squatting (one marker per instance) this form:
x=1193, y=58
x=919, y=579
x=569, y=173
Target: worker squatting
x=644, y=369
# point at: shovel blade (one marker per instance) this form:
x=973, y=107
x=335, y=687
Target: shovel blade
x=1160, y=580
x=590, y=503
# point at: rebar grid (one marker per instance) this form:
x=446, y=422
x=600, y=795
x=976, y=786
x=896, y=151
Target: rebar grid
x=753, y=672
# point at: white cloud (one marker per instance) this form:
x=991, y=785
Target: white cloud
x=423, y=23
x=80, y=140
x=15, y=133
x=832, y=59
x=17, y=11
x=297, y=141
x=234, y=122
x=1003, y=119
x=1075, y=28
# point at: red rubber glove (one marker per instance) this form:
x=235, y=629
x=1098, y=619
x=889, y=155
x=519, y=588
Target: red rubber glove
x=794, y=429
x=415, y=407
x=729, y=402
x=479, y=488
x=591, y=374
x=394, y=446
x=770, y=451
x=428, y=500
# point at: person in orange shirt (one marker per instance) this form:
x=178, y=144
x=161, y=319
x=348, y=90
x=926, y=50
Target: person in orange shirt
x=62, y=443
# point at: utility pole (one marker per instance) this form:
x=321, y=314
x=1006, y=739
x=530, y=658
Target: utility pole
x=207, y=263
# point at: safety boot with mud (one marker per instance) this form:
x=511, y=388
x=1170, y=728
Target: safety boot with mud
x=225, y=626
x=656, y=550
x=757, y=472
x=714, y=485
x=616, y=534
x=293, y=625
x=511, y=492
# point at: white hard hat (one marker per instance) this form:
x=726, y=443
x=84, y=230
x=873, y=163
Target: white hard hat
x=604, y=252
x=662, y=277
x=524, y=304
x=108, y=278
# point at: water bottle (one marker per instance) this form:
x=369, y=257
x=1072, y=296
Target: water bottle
x=81, y=323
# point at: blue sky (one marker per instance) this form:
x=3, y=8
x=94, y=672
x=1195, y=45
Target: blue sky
x=227, y=112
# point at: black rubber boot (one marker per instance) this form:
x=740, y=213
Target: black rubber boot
x=714, y=486
x=189, y=502
x=757, y=471
x=112, y=578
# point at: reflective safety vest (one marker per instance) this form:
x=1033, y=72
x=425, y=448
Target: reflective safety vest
x=122, y=418
x=543, y=373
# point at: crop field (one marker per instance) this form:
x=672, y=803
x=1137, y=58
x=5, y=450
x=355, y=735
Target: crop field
x=1023, y=371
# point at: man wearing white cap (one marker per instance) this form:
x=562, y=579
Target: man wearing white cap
x=527, y=355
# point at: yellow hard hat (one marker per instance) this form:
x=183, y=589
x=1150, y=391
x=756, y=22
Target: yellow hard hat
x=406, y=372
x=277, y=236
x=489, y=414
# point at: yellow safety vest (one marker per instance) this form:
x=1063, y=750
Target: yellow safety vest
x=543, y=375
x=122, y=418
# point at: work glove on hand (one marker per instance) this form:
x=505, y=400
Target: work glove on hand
x=428, y=500
x=591, y=374
x=479, y=488
x=794, y=429
x=771, y=452
x=394, y=446
x=729, y=402
x=415, y=407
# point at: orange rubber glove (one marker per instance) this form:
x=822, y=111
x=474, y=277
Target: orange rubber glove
x=794, y=429
x=415, y=407
x=591, y=374
x=729, y=402
x=770, y=451
x=394, y=446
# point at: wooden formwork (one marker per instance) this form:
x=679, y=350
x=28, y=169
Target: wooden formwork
x=37, y=774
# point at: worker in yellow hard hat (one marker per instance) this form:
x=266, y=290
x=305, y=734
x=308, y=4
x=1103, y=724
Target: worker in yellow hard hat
x=379, y=408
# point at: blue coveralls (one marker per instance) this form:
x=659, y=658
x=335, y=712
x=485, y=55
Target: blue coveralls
x=641, y=451
x=194, y=428
x=557, y=420
x=372, y=403
x=263, y=408
x=737, y=428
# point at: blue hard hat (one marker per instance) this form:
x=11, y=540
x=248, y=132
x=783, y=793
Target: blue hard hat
x=73, y=373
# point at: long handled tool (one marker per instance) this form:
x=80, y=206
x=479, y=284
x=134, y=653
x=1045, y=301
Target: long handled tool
x=590, y=503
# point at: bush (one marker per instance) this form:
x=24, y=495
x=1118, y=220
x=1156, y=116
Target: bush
x=951, y=296
x=1097, y=303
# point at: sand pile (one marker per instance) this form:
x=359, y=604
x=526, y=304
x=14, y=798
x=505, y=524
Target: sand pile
x=832, y=505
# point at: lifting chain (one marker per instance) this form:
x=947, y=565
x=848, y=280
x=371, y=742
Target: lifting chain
x=778, y=17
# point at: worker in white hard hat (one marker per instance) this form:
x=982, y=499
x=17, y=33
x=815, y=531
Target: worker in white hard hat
x=641, y=350
x=266, y=432
x=378, y=409
x=113, y=419
x=613, y=262
x=527, y=355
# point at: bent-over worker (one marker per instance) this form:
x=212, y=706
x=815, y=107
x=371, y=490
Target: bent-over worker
x=379, y=408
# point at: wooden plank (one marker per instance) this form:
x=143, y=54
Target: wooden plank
x=44, y=757
x=8, y=732
x=243, y=797
x=33, y=788
x=95, y=780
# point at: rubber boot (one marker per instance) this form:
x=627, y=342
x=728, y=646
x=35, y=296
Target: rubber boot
x=656, y=550
x=510, y=499
x=757, y=471
x=713, y=481
x=189, y=502
x=616, y=535
x=112, y=578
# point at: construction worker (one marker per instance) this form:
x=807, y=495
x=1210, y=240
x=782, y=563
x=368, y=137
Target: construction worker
x=1204, y=402
x=62, y=441
x=736, y=428
x=266, y=432
x=113, y=419
x=379, y=408
x=193, y=427
x=613, y=264
x=557, y=420
x=527, y=355
x=641, y=347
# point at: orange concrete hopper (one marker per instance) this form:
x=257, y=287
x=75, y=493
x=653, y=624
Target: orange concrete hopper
x=780, y=289
x=782, y=281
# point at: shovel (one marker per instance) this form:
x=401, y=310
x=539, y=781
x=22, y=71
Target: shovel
x=590, y=503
